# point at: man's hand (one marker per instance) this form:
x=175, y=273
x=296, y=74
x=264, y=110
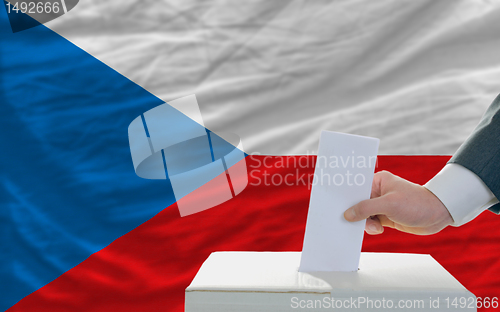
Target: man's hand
x=402, y=205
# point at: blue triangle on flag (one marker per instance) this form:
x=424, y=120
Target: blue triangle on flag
x=67, y=183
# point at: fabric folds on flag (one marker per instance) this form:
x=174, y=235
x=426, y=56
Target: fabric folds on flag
x=83, y=231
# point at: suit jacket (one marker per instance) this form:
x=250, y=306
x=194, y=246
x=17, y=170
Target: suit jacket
x=480, y=153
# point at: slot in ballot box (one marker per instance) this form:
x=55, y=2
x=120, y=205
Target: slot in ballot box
x=271, y=282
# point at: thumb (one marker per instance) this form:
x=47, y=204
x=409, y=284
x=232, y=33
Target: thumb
x=367, y=208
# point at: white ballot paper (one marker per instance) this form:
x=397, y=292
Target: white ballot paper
x=343, y=177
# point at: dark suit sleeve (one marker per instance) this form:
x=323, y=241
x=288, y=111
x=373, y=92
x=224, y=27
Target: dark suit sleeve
x=480, y=153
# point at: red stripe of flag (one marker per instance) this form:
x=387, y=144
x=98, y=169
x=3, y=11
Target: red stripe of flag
x=149, y=268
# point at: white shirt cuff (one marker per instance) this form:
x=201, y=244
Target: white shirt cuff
x=462, y=192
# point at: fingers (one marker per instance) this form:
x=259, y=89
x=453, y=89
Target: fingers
x=376, y=189
x=370, y=207
x=373, y=226
x=380, y=179
x=386, y=221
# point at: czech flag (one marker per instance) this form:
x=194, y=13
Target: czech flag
x=139, y=137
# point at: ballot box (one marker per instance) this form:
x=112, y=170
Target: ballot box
x=331, y=272
x=271, y=282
